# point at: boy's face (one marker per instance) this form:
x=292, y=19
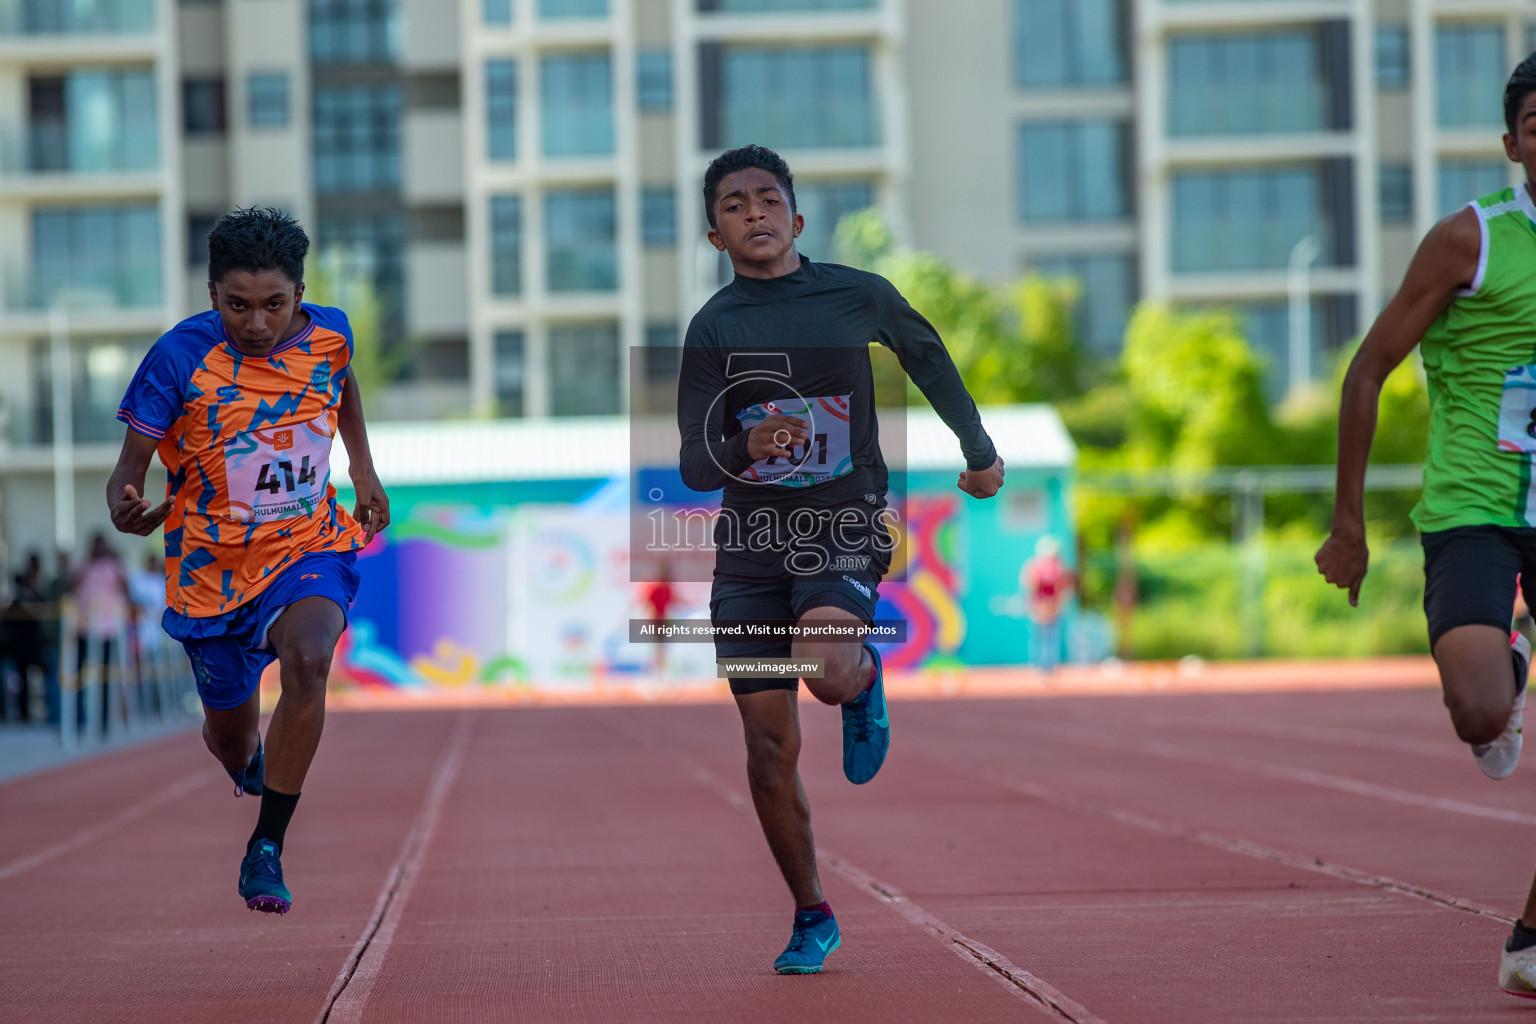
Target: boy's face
x=257, y=307
x=1521, y=146
x=754, y=222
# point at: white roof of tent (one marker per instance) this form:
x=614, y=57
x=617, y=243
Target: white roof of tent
x=587, y=448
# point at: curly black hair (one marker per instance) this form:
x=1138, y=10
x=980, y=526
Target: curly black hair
x=734, y=160
x=256, y=239
x=1521, y=84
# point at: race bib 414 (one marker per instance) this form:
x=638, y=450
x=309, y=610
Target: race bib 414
x=281, y=473
x=825, y=455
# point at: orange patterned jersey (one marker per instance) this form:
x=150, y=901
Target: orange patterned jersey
x=246, y=442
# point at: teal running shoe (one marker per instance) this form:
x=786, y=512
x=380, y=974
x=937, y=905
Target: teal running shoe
x=249, y=780
x=261, y=880
x=816, y=934
x=866, y=728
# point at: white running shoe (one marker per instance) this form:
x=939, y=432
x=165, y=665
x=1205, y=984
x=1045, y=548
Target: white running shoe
x=1517, y=972
x=1498, y=759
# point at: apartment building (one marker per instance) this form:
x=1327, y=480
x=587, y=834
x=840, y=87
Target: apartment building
x=518, y=179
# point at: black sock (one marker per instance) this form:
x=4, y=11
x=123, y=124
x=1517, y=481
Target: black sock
x=272, y=822
x=1522, y=938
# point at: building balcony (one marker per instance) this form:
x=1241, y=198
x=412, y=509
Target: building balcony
x=41, y=160
x=52, y=30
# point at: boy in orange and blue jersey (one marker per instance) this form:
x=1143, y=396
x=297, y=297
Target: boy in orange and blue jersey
x=242, y=404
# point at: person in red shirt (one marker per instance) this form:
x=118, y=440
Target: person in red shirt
x=1047, y=584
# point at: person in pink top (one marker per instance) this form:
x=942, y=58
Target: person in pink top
x=102, y=610
x=1047, y=583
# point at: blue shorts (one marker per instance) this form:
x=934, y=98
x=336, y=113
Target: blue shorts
x=229, y=652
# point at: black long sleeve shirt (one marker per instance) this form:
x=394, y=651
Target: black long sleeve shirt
x=801, y=342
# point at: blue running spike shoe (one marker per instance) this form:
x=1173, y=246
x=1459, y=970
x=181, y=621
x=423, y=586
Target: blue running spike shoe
x=249, y=780
x=816, y=934
x=261, y=880
x=866, y=728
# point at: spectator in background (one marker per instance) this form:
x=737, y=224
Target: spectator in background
x=56, y=592
x=102, y=611
x=146, y=590
x=1047, y=584
x=21, y=638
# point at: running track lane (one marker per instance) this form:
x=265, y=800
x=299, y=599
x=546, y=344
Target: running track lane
x=1151, y=859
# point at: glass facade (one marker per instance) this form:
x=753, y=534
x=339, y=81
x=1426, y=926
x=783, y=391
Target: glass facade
x=1069, y=43
x=353, y=31
x=573, y=8
x=496, y=12
x=584, y=370
x=501, y=109
x=658, y=217
x=1462, y=181
x=1238, y=83
x=581, y=235
x=653, y=81
x=374, y=243
x=1471, y=68
x=96, y=256
x=788, y=97
x=823, y=204
x=1248, y=218
x=93, y=121
x=1073, y=171
x=768, y=6
x=47, y=17
x=101, y=372
x=266, y=99
x=1395, y=193
x=511, y=372
x=1394, y=62
x=1108, y=284
x=507, y=245
x=357, y=138
x=576, y=93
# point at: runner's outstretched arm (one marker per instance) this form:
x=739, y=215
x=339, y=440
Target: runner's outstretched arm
x=131, y=511
x=923, y=356
x=372, y=508
x=707, y=459
x=1445, y=263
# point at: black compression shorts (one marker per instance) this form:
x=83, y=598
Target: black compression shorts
x=1469, y=576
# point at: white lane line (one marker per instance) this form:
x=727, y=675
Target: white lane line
x=172, y=792
x=1135, y=819
x=349, y=993
x=1332, y=737
x=1021, y=983
x=1284, y=773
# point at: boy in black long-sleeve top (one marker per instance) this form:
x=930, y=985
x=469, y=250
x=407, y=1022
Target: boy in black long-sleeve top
x=776, y=405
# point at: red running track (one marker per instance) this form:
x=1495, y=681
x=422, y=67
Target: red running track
x=1319, y=857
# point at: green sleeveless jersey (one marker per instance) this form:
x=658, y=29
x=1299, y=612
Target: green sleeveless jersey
x=1480, y=359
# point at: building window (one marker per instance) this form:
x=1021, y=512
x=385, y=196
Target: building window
x=47, y=17
x=91, y=121
x=1247, y=83
x=653, y=81
x=1108, y=283
x=580, y=230
x=1072, y=171
x=1472, y=69
x=584, y=370
x=501, y=109
x=100, y=371
x=576, y=90
x=357, y=138
x=1247, y=219
x=1462, y=181
x=353, y=31
x=658, y=217
x=1394, y=59
x=372, y=246
x=789, y=97
x=823, y=204
x=1396, y=193
x=1069, y=42
x=199, y=225
x=96, y=256
x=496, y=12
x=202, y=106
x=769, y=6
x=510, y=372
x=663, y=353
x=573, y=8
x=267, y=99
x=507, y=245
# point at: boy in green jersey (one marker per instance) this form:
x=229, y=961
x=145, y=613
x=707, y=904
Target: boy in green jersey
x=1470, y=297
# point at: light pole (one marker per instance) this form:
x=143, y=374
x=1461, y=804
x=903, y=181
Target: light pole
x=63, y=429
x=1303, y=255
